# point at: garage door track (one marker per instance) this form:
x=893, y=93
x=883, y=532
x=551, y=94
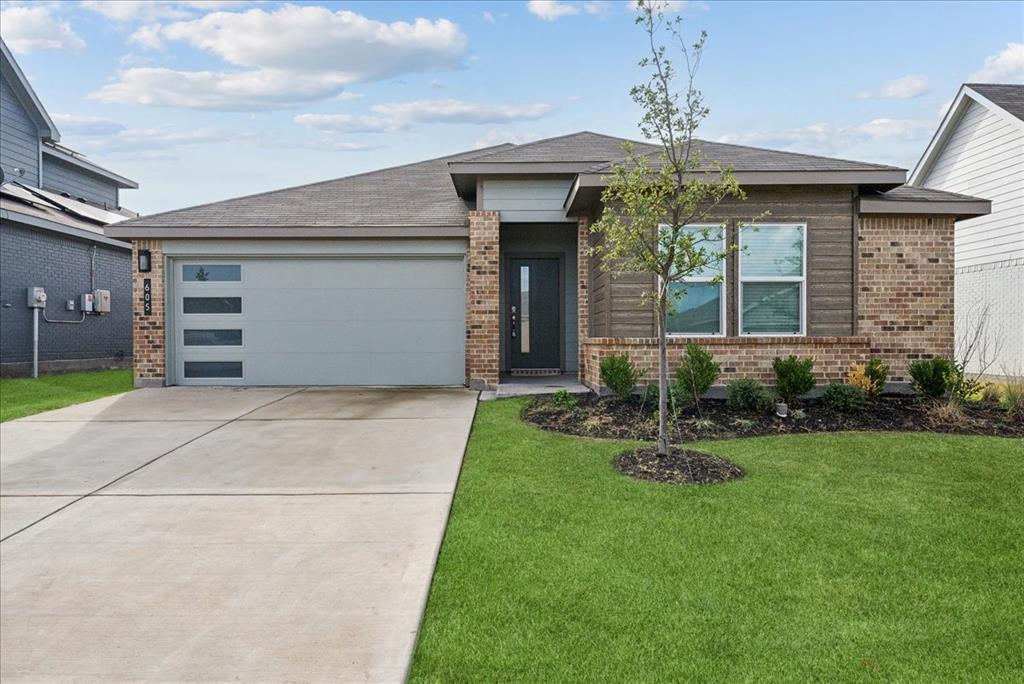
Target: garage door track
x=211, y=534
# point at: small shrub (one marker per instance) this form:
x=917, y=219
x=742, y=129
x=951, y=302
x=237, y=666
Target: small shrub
x=620, y=375
x=962, y=386
x=933, y=378
x=948, y=414
x=705, y=425
x=845, y=398
x=744, y=424
x=990, y=394
x=870, y=376
x=562, y=399
x=748, y=395
x=798, y=414
x=1013, y=398
x=793, y=377
x=696, y=373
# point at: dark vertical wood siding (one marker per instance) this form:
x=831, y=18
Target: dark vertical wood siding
x=828, y=212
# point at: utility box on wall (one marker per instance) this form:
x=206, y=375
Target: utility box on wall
x=101, y=301
x=36, y=298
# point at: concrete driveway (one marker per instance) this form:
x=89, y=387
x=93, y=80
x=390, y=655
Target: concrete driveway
x=212, y=534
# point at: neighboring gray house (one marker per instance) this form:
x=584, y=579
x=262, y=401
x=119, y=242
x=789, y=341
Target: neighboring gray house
x=979, y=150
x=54, y=204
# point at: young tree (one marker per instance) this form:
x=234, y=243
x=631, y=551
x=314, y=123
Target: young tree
x=652, y=199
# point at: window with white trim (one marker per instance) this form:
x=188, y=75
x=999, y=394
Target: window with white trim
x=773, y=279
x=697, y=303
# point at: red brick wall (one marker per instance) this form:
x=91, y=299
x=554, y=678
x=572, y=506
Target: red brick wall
x=150, y=355
x=739, y=357
x=905, y=288
x=482, y=288
x=582, y=292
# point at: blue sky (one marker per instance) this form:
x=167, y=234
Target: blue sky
x=200, y=101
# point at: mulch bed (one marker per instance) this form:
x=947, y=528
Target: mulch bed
x=682, y=466
x=611, y=418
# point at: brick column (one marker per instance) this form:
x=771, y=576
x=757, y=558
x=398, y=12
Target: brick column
x=149, y=355
x=582, y=292
x=905, y=288
x=482, y=311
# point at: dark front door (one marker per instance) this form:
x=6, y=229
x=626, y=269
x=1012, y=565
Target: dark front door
x=533, y=325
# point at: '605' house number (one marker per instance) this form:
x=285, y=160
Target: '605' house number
x=147, y=297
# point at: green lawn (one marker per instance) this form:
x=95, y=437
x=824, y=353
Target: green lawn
x=847, y=557
x=24, y=396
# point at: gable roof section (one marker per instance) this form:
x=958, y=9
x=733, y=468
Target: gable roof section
x=412, y=200
x=28, y=96
x=1007, y=96
x=1004, y=100
x=585, y=146
x=910, y=200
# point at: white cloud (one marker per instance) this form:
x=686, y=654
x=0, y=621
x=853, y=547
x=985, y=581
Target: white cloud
x=125, y=11
x=401, y=115
x=903, y=88
x=672, y=6
x=346, y=123
x=74, y=124
x=27, y=28
x=260, y=89
x=348, y=96
x=459, y=111
x=294, y=55
x=549, y=10
x=1005, y=67
x=826, y=139
x=489, y=17
x=147, y=36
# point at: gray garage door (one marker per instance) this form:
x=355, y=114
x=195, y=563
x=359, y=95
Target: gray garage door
x=309, y=321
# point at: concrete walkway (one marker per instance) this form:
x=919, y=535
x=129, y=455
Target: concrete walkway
x=213, y=534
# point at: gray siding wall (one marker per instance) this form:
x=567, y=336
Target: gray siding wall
x=59, y=176
x=19, y=137
x=543, y=240
x=525, y=201
x=618, y=310
x=61, y=264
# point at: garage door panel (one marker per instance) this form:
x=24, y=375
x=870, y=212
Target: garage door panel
x=357, y=274
x=357, y=368
x=339, y=321
x=367, y=305
x=352, y=336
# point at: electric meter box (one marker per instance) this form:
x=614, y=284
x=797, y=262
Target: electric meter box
x=36, y=298
x=101, y=301
x=85, y=303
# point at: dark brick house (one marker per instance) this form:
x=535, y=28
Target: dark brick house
x=54, y=205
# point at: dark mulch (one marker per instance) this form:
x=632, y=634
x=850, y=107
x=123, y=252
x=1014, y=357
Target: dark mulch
x=682, y=466
x=611, y=418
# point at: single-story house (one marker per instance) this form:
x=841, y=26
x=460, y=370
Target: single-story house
x=466, y=268
x=978, y=150
x=54, y=205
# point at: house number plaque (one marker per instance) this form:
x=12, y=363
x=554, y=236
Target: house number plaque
x=147, y=297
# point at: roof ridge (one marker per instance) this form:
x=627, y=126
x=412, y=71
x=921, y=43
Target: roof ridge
x=1001, y=85
x=563, y=136
x=598, y=165
x=304, y=185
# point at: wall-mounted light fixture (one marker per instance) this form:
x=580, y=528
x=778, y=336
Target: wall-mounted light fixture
x=145, y=261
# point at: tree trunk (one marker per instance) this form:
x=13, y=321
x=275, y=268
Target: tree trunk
x=663, y=445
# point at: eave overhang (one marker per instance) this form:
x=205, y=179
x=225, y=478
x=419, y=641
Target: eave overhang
x=86, y=165
x=142, y=232
x=961, y=209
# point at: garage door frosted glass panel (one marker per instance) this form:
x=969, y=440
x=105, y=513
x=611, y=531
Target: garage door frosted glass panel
x=338, y=321
x=212, y=305
x=211, y=273
x=212, y=338
x=213, y=369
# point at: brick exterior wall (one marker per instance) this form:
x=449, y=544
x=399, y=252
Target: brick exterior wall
x=905, y=288
x=148, y=331
x=483, y=355
x=739, y=357
x=582, y=293
x=63, y=266
x=904, y=303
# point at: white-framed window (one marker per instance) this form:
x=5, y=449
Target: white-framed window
x=700, y=311
x=773, y=279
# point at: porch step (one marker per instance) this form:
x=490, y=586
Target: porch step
x=534, y=372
